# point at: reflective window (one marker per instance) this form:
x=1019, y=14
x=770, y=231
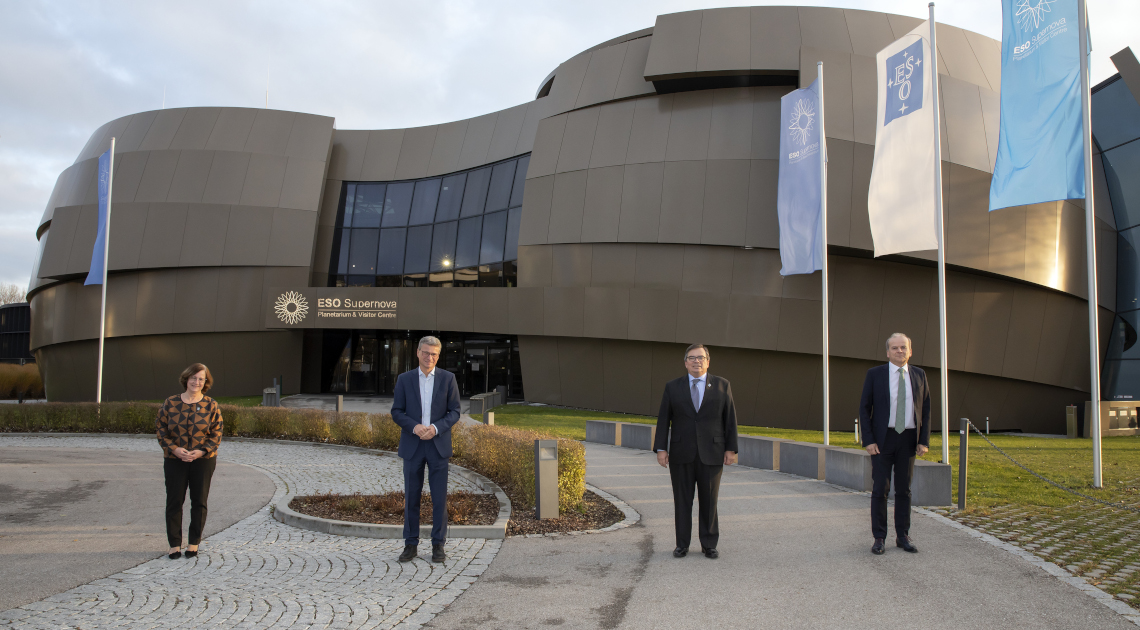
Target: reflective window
x=369, y=205
x=467, y=243
x=520, y=178
x=450, y=197
x=349, y=201
x=443, y=247
x=467, y=277
x=514, y=218
x=418, y=249
x=424, y=200
x=340, y=251
x=1128, y=270
x=397, y=203
x=391, y=258
x=499, y=193
x=494, y=230
x=1122, y=380
x=1120, y=168
x=475, y=195
x=1115, y=115
x=362, y=256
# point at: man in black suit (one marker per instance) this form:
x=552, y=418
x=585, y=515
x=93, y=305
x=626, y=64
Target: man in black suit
x=895, y=414
x=426, y=406
x=696, y=439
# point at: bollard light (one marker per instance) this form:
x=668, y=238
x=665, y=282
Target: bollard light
x=858, y=437
x=546, y=479
x=963, y=458
x=490, y=416
x=339, y=403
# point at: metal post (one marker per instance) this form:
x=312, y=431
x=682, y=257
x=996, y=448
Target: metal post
x=823, y=257
x=1090, y=242
x=963, y=455
x=339, y=403
x=987, y=425
x=545, y=479
x=944, y=361
x=280, y=388
x=858, y=437
x=490, y=416
x=103, y=300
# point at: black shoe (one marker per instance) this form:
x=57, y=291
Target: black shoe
x=409, y=553
x=191, y=554
x=877, y=548
x=437, y=554
x=906, y=544
x=680, y=552
x=175, y=555
x=710, y=553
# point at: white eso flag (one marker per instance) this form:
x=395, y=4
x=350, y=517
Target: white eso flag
x=901, y=201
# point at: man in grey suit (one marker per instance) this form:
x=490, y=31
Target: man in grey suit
x=696, y=439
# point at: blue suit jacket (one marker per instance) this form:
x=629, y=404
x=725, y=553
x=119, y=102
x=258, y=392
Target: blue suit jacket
x=407, y=410
x=875, y=406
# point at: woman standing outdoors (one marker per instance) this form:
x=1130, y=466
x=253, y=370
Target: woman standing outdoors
x=189, y=430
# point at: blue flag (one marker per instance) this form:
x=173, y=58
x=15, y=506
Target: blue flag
x=798, y=202
x=95, y=274
x=1040, y=147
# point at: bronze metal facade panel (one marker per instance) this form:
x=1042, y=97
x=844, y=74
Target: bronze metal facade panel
x=535, y=112
x=753, y=321
x=417, y=308
x=455, y=309
x=631, y=81
x=196, y=299
x=649, y=135
x=301, y=189
x=870, y=32
x=196, y=127
x=155, y=182
x=989, y=326
x=730, y=128
x=1007, y=242
x=959, y=57
x=864, y=100
x=766, y=125
x=154, y=314
x=247, y=236
x=568, y=83
x=577, y=140
x=725, y=40
x=203, y=236
x=132, y=136
x=863, y=158
x=627, y=383
x=322, y=252
x=77, y=312
x=535, y=263
x=263, y=180
x=799, y=326
x=611, y=139
x=231, y=130
x=448, y=145
x=571, y=265
x=640, y=202
x=84, y=241
x=614, y=265
x=128, y=173
x=537, y=197
x=659, y=266
x=707, y=269
x=524, y=314
x=689, y=126
x=227, y=177
x=291, y=238
x=988, y=54
x=330, y=203
x=128, y=222
x=907, y=294
x=1025, y=325
x=270, y=132
x=348, y=152
x=539, y=356
x=415, y=152
x=562, y=310
x=382, y=154
x=547, y=145
x=837, y=83
x=605, y=312
x=162, y=238
x=967, y=216
x=840, y=167
x=584, y=387
x=236, y=310
x=601, y=79
x=762, y=226
x=757, y=272
x=162, y=130
x=652, y=314
x=310, y=138
x=189, y=181
x=674, y=45
x=775, y=38
x=602, y=209
x=477, y=141
x=702, y=318
x=682, y=202
x=964, y=124
x=1057, y=320
x=57, y=250
x=490, y=309
x=858, y=293
x=824, y=28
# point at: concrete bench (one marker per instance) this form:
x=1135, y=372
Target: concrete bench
x=759, y=452
x=851, y=468
x=804, y=459
x=604, y=432
x=637, y=435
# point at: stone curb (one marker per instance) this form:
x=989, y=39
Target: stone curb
x=631, y=518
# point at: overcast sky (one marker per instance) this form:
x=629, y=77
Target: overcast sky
x=68, y=67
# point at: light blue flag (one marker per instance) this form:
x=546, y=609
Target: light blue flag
x=1040, y=147
x=95, y=274
x=798, y=192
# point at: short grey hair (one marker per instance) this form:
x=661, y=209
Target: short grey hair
x=429, y=341
x=909, y=343
x=698, y=346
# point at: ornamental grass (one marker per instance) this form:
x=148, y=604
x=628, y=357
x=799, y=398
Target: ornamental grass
x=20, y=381
x=503, y=454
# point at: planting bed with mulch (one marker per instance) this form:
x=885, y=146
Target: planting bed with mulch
x=598, y=513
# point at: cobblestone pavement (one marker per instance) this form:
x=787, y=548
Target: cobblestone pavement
x=261, y=573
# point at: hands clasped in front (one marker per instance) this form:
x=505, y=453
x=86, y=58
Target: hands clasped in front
x=424, y=432
x=187, y=456
x=873, y=449
x=663, y=458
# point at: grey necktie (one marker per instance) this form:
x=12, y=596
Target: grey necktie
x=696, y=395
x=900, y=405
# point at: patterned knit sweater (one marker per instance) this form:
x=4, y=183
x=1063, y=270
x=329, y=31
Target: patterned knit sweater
x=196, y=426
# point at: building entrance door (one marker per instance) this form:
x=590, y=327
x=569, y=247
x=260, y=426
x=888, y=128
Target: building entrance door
x=498, y=367
x=364, y=367
x=476, y=377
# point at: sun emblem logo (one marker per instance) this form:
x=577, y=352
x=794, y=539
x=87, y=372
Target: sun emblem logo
x=802, y=120
x=1032, y=12
x=291, y=307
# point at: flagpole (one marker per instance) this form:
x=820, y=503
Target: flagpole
x=943, y=362
x=823, y=258
x=1090, y=244
x=103, y=302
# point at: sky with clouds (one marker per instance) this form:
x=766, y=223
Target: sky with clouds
x=68, y=67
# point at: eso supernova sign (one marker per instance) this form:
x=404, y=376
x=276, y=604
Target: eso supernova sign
x=318, y=307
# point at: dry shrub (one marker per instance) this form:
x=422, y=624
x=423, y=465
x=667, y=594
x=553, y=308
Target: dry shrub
x=507, y=456
x=351, y=504
x=20, y=381
x=385, y=431
x=269, y=422
x=351, y=427
x=309, y=424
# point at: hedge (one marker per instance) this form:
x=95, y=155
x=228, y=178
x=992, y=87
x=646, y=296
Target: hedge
x=504, y=455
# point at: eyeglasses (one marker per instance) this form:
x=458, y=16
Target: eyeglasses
x=697, y=359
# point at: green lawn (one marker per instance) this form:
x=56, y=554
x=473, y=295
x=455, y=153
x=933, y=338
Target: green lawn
x=993, y=480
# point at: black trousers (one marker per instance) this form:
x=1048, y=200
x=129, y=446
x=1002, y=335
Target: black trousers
x=896, y=454
x=179, y=475
x=706, y=481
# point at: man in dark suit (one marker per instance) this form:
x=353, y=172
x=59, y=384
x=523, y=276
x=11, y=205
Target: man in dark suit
x=696, y=439
x=895, y=414
x=426, y=406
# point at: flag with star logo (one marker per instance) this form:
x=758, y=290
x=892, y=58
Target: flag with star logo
x=901, y=201
x=798, y=196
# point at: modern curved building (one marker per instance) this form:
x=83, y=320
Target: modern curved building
x=569, y=248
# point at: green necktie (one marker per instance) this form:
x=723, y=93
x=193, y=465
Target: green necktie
x=900, y=405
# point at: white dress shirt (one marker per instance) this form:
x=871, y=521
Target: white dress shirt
x=893, y=383
x=427, y=386
x=700, y=388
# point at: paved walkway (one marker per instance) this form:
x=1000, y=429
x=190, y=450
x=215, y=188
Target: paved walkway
x=260, y=573
x=795, y=553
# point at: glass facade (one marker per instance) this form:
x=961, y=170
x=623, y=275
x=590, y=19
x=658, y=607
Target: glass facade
x=15, y=333
x=1116, y=130
x=460, y=229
